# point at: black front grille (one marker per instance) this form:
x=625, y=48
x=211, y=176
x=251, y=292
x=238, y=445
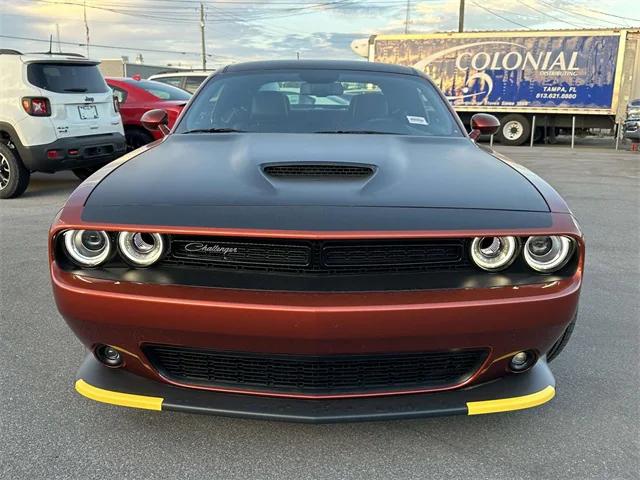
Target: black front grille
x=318, y=257
x=333, y=374
x=318, y=170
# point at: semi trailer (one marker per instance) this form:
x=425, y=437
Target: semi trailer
x=538, y=83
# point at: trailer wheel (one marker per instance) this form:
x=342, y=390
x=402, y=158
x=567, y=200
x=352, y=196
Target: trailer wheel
x=514, y=130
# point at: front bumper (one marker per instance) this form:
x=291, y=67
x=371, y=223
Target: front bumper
x=513, y=392
x=130, y=315
x=74, y=152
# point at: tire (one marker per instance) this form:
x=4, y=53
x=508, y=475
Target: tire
x=14, y=177
x=84, y=173
x=137, y=138
x=557, y=347
x=514, y=130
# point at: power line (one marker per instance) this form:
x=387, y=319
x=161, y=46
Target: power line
x=577, y=14
x=499, y=16
x=548, y=14
x=610, y=14
x=114, y=47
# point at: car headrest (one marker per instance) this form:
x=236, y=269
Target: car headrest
x=269, y=104
x=369, y=105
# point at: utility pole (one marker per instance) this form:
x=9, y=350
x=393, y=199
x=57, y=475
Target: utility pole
x=406, y=20
x=86, y=26
x=204, y=50
x=461, y=17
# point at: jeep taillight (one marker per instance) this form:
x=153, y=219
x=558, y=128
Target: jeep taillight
x=37, y=106
x=116, y=104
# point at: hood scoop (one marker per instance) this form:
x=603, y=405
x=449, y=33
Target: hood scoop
x=318, y=170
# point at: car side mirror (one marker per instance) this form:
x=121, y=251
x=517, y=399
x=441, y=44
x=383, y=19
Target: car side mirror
x=155, y=120
x=483, y=124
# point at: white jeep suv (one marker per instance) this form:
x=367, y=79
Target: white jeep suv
x=56, y=113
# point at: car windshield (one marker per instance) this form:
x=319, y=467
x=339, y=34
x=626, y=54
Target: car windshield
x=161, y=90
x=320, y=101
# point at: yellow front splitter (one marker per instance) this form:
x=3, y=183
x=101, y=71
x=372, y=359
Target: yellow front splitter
x=118, y=398
x=300, y=410
x=513, y=403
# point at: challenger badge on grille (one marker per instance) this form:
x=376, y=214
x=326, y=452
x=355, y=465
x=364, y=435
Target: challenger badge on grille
x=241, y=252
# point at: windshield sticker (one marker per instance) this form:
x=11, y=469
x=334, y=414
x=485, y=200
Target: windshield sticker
x=417, y=120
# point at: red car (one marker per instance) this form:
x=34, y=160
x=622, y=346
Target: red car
x=314, y=260
x=136, y=97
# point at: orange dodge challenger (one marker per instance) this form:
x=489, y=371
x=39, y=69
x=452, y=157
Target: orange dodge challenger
x=317, y=241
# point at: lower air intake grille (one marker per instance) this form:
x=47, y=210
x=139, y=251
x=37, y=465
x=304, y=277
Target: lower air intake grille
x=333, y=374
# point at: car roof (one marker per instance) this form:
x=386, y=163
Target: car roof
x=55, y=58
x=320, y=65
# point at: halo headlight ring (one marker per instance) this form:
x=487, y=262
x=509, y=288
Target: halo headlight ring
x=141, y=249
x=87, y=248
x=548, y=253
x=494, y=253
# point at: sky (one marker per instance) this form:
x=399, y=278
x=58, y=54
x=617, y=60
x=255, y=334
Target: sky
x=167, y=32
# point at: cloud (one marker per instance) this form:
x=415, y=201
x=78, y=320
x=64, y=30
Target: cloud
x=236, y=31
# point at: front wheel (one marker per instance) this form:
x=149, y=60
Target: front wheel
x=514, y=130
x=14, y=177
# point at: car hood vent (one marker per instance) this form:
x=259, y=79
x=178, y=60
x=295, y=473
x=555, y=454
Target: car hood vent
x=298, y=170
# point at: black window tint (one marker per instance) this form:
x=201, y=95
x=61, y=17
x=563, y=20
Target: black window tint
x=320, y=101
x=66, y=77
x=161, y=90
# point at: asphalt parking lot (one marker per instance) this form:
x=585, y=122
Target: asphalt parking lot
x=590, y=430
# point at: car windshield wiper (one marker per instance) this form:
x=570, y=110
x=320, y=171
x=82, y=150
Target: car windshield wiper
x=75, y=90
x=361, y=132
x=215, y=130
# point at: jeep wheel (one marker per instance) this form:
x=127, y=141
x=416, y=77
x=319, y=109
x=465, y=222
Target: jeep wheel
x=514, y=130
x=14, y=177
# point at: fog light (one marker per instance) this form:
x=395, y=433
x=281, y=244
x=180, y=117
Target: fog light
x=108, y=355
x=522, y=361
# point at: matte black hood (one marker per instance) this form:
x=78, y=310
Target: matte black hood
x=199, y=174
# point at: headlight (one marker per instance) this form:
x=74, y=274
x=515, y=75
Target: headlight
x=548, y=253
x=87, y=248
x=140, y=249
x=493, y=253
